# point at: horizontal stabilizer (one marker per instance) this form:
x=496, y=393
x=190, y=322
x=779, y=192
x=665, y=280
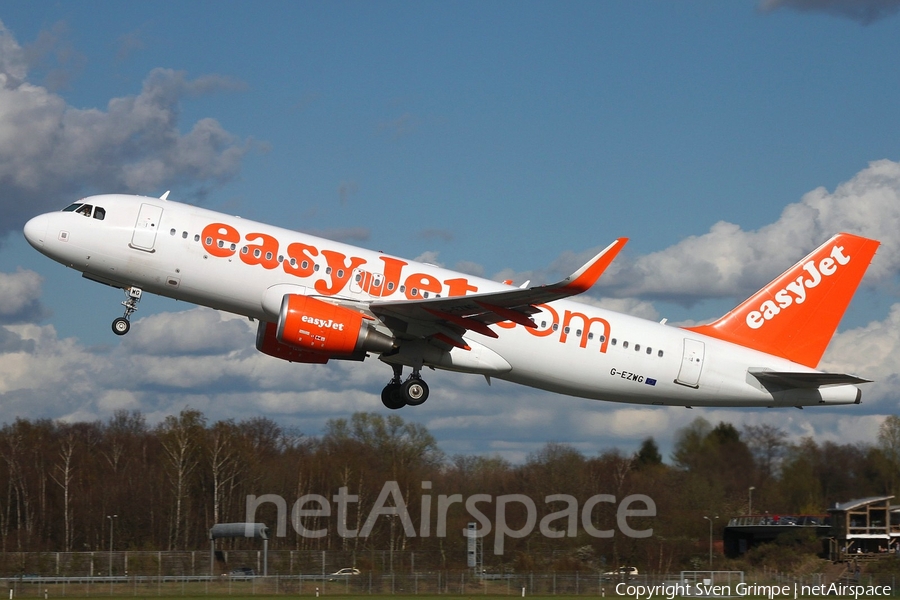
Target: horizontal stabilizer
x=805, y=380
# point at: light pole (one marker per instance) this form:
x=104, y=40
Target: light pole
x=750, y=500
x=111, y=524
x=710, y=539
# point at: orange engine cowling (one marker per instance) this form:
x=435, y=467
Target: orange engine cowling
x=267, y=343
x=315, y=326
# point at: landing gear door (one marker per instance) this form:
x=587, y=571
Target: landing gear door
x=146, y=227
x=691, y=363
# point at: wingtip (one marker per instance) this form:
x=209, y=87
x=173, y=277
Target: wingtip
x=585, y=277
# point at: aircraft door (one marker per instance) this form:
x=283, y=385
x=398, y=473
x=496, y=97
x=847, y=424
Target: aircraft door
x=691, y=363
x=364, y=281
x=146, y=227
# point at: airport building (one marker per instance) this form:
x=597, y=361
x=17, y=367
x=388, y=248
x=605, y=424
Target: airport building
x=863, y=528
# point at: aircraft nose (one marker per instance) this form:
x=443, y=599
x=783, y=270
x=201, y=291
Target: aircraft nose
x=36, y=230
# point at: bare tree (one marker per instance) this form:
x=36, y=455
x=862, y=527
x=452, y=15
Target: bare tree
x=180, y=438
x=768, y=445
x=62, y=475
x=889, y=444
x=222, y=452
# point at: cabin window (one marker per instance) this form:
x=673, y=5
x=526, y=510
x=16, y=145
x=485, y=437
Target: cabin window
x=233, y=247
x=414, y=292
x=294, y=263
x=209, y=241
x=280, y=258
x=543, y=323
x=99, y=213
x=566, y=330
x=172, y=232
x=649, y=350
x=304, y=265
x=245, y=250
x=340, y=274
x=424, y=294
x=390, y=286
x=624, y=344
x=613, y=341
x=603, y=339
x=184, y=235
x=358, y=277
x=556, y=327
x=402, y=289
x=315, y=267
x=660, y=353
x=268, y=256
x=637, y=347
x=578, y=333
x=197, y=237
x=328, y=271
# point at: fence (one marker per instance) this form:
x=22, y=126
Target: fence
x=367, y=583
x=64, y=574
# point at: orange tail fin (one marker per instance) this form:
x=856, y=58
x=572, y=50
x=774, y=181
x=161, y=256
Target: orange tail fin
x=796, y=315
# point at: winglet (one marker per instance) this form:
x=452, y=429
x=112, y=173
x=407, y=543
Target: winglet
x=585, y=277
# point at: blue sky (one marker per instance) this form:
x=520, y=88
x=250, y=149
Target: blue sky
x=508, y=139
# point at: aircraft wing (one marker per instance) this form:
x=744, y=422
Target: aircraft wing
x=805, y=380
x=447, y=318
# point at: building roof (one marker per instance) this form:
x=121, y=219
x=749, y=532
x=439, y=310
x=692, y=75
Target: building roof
x=858, y=503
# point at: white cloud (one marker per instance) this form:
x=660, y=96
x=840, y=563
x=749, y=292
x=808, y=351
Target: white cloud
x=20, y=294
x=196, y=331
x=730, y=262
x=49, y=151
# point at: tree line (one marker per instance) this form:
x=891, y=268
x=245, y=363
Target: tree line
x=66, y=485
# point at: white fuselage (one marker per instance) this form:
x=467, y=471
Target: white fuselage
x=163, y=248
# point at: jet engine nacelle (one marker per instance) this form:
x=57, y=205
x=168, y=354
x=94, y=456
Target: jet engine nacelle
x=267, y=343
x=311, y=325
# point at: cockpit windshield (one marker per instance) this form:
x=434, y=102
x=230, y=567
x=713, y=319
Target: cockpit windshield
x=86, y=210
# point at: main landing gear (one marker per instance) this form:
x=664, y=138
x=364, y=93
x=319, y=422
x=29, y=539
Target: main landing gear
x=121, y=325
x=398, y=393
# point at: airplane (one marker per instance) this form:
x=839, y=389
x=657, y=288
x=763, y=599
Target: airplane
x=317, y=300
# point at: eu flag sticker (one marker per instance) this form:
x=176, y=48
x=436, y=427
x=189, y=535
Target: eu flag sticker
x=650, y=381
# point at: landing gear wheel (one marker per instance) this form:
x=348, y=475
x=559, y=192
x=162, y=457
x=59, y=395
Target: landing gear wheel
x=121, y=326
x=392, y=396
x=415, y=391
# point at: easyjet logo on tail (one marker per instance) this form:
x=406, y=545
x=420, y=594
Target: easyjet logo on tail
x=795, y=292
x=796, y=314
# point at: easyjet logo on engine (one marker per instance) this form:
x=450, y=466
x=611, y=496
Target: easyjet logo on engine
x=795, y=292
x=322, y=323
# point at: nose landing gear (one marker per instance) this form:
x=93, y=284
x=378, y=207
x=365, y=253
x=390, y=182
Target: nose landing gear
x=397, y=393
x=122, y=325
